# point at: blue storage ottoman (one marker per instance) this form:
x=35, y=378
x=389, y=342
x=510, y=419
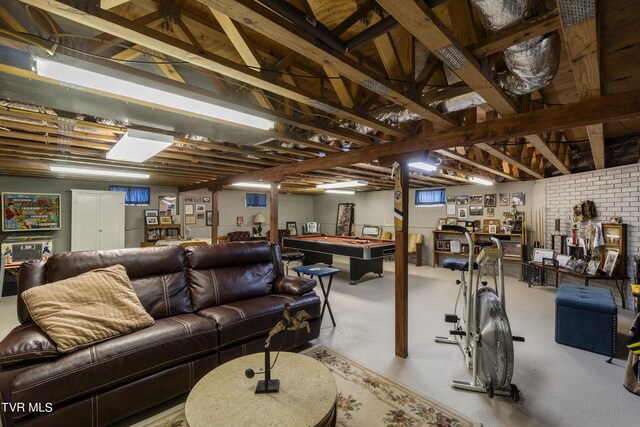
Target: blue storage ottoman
x=586, y=318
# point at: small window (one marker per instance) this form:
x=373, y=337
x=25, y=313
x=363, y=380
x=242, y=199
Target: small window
x=255, y=200
x=430, y=197
x=133, y=196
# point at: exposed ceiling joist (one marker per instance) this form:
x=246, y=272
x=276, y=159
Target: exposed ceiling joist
x=581, y=38
x=598, y=110
x=278, y=29
x=431, y=32
x=109, y=22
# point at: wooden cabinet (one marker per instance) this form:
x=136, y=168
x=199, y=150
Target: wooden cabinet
x=512, y=248
x=615, y=238
x=153, y=233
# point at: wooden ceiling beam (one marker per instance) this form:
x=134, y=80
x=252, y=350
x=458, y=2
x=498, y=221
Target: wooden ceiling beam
x=604, y=109
x=108, y=4
x=581, y=40
x=497, y=42
x=434, y=35
x=271, y=25
x=463, y=159
x=109, y=22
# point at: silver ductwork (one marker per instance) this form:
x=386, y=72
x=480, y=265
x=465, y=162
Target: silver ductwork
x=533, y=63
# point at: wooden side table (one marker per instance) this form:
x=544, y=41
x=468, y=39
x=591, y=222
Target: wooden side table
x=226, y=397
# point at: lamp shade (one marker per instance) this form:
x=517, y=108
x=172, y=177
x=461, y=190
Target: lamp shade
x=259, y=219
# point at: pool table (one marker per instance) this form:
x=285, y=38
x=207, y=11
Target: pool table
x=365, y=255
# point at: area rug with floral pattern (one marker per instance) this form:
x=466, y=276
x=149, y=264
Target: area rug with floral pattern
x=365, y=398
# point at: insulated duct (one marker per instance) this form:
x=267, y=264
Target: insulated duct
x=532, y=63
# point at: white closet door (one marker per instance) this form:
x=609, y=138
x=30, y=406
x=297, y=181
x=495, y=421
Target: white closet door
x=97, y=220
x=111, y=226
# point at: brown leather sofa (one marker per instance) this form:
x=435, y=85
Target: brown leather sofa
x=210, y=304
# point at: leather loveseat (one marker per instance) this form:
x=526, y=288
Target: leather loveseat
x=210, y=304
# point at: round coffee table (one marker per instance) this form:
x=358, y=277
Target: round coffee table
x=226, y=397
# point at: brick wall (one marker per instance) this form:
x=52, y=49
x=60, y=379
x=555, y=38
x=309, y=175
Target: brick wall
x=614, y=192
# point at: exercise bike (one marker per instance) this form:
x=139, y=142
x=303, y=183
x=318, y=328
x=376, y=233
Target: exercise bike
x=483, y=333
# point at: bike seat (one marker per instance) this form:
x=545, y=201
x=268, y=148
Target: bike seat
x=455, y=264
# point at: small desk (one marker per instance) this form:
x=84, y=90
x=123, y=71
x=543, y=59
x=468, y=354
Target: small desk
x=619, y=280
x=320, y=271
x=226, y=397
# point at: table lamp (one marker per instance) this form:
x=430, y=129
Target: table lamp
x=259, y=219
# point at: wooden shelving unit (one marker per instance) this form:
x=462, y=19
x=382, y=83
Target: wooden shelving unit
x=153, y=233
x=438, y=235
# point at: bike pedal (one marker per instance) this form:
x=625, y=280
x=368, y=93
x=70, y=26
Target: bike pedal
x=519, y=339
x=451, y=318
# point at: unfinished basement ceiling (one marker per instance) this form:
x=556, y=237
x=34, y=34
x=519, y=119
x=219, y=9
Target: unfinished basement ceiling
x=354, y=81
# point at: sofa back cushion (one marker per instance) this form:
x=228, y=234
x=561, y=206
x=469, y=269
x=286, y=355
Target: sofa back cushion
x=158, y=275
x=233, y=271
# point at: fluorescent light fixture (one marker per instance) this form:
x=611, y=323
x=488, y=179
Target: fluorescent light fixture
x=97, y=172
x=102, y=82
x=423, y=166
x=340, y=191
x=480, y=180
x=138, y=146
x=251, y=184
x=345, y=184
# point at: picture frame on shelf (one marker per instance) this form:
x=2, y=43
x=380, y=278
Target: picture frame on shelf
x=292, y=227
x=190, y=219
x=455, y=246
x=462, y=200
x=475, y=199
x=581, y=266
x=540, y=253
x=610, y=262
x=493, y=229
x=463, y=213
x=150, y=212
x=571, y=264
x=447, y=245
x=440, y=245
x=562, y=260
x=550, y=262
x=150, y=220
x=487, y=222
x=504, y=199
x=464, y=248
x=490, y=200
x=517, y=227
x=188, y=209
x=441, y=222
x=476, y=210
x=209, y=218
x=512, y=249
x=592, y=267
x=165, y=220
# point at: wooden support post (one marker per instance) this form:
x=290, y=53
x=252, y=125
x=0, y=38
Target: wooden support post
x=215, y=221
x=401, y=225
x=273, y=216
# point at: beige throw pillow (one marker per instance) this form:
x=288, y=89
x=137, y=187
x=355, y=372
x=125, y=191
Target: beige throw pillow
x=88, y=308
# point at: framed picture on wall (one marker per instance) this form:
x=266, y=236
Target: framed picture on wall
x=463, y=213
x=150, y=212
x=504, y=199
x=462, y=200
x=239, y=221
x=489, y=200
x=167, y=205
x=190, y=219
x=491, y=212
x=188, y=209
x=150, y=220
x=475, y=199
x=206, y=200
x=476, y=210
x=209, y=218
x=200, y=208
x=518, y=199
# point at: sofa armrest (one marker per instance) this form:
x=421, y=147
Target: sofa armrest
x=26, y=343
x=293, y=285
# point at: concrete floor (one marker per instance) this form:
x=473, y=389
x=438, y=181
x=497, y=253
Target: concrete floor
x=561, y=386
